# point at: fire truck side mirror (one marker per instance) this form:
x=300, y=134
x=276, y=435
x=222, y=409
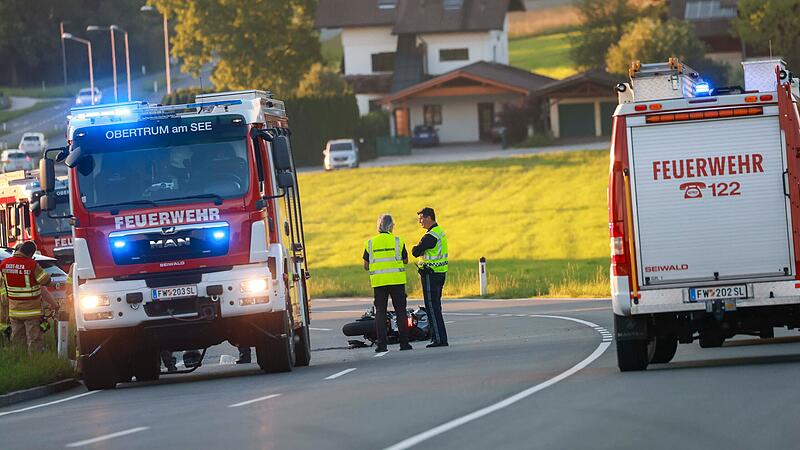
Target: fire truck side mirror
x=47, y=202
x=281, y=155
x=74, y=156
x=47, y=174
x=285, y=180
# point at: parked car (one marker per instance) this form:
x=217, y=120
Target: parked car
x=12, y=160
x=33, y=144
x=425, y=136
x=340, y=153
x=84, y=97
x=58, y=278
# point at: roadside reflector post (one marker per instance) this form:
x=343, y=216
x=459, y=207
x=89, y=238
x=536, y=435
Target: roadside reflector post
x=482, y=276
x=62, y=333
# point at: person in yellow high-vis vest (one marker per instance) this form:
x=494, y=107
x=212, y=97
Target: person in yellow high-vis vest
x=432, y=251
x=21, y=281
x=385, y=257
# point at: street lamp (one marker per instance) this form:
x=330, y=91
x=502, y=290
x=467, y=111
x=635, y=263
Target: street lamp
x=63, y=50
x=148, y=8
x=112, y=29
x=89, y=47
x=113, y=54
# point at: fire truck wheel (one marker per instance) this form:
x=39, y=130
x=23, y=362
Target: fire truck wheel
x=147, y=365
x=665, y=347
x=277, y=354
x=633, y=355
x=302, y=349
x=711, y=340
x=98, y=372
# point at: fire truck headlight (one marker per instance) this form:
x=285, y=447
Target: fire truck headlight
x=94, y=301
x=255, y=286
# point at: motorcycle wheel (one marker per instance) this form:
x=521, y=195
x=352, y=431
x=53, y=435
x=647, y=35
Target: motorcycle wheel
x=364, y=328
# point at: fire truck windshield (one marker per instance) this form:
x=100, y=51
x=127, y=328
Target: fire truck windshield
x=46, y=226
x=122, y=179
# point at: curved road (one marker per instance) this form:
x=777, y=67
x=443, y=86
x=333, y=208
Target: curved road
x=518, y=374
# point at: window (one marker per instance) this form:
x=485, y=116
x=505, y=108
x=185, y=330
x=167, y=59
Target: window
x=383, y=62
x=387, y=4
x=432, y=114
x=375, y=105
x=454, y=54
x=453, y=4
x=708, y=9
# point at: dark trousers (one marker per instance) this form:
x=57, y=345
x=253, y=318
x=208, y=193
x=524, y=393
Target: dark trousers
x=398, y=293
x=432, y=285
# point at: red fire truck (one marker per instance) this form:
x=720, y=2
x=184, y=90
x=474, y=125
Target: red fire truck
x=704, y=209
x=187, y=232
x=20, y=218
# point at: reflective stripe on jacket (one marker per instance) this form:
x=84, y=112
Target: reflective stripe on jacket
x=385, y=252
x=436, y=257
x=21, y=281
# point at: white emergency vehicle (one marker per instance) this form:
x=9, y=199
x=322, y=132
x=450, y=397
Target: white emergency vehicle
x=704, y=209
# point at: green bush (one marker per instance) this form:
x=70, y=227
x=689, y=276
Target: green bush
x=181, y=96
x=315, y=120
x=370, y=128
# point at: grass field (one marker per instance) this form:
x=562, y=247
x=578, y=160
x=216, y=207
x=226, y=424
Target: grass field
x=540, y=221
x=18, y=370
x=546, y=54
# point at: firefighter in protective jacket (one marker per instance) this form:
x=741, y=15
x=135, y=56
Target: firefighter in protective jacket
x=21, y=282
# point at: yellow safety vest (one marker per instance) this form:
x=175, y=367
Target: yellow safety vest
x=385, y=252
x=436, y=257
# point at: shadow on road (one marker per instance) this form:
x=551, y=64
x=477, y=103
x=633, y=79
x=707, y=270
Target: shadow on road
x=743, y=361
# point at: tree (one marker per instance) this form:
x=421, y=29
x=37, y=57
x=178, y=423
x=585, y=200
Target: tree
x=603, y=22
x=321, y=81
x=652, y=40
x=252, y=43
x=761, y=22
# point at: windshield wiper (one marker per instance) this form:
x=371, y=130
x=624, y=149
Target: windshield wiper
x=115, y=211
x=217, y=198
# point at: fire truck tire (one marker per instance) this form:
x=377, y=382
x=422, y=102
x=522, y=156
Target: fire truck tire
x=302, y=349
x=147, y=365
x=711, y=340
x=98, y=372
x=277, y=354
x=633, y=355
x=665, y=348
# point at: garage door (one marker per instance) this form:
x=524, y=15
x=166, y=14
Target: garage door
x=607, y=116
x=576, y=120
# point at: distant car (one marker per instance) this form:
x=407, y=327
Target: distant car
x=340, y=153
x=58, y=278
x=33, y=144
x=424, y=136
x=11, y=160
x=84, y=97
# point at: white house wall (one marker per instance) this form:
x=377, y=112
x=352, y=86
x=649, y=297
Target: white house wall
x=361, y=43
x=459, y=115
x=491, y=46
x=362, y=100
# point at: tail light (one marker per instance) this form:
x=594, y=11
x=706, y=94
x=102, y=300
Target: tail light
x=619, y=259
x=410, y=322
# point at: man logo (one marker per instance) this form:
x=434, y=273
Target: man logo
x=170, y=243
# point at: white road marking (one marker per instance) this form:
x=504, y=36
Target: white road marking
x=462, y=314
x=378, y=355
x=320, y=329
x=455, y=423
x=107, y=437
x=449, y=321
x=267, y=397
x=48, y=403
x=339, y=374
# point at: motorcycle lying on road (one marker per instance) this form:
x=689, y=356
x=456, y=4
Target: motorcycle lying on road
x=418, y=327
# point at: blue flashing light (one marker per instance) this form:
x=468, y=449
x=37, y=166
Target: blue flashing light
x=119, y=244
x=218, y=235
x=702, y=89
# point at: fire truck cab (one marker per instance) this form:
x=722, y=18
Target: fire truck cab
x=704, y=209
x=187, y=233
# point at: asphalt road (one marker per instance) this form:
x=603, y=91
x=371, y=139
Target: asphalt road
x=53, y=119
x=519, y=374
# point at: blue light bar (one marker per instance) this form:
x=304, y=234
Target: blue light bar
x=143, y=110
x=701, y=89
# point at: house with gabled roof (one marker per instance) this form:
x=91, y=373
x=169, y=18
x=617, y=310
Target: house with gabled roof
x=430, y=62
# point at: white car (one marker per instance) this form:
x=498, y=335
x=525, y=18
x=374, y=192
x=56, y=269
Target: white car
x=12, y=160
x=340, y=153
x=84, y=97
x=33, y=144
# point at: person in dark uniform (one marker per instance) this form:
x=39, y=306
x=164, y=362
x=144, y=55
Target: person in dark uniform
x=385, y=257
x=432, y=266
